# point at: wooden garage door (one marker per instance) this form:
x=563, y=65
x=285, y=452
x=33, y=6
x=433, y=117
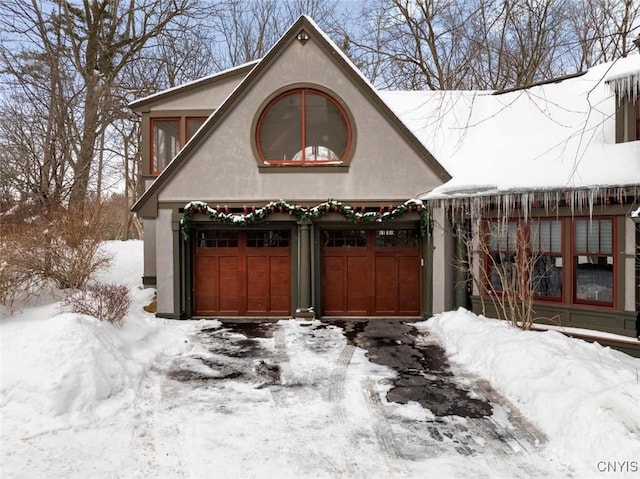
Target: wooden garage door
x=370, y=272
x=242, y=273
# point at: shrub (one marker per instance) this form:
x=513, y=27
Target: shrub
x=107, y=302
x=61, y=250
x=18, y=283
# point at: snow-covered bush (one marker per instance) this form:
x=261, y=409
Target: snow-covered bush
x=106, y=302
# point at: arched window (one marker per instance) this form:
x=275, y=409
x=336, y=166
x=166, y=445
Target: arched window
x=303, y=126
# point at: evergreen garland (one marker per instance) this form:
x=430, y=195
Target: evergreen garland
x=258, y=215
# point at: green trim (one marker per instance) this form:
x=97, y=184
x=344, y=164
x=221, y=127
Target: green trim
x=149, y=281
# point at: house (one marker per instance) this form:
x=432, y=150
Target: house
x=291, y=187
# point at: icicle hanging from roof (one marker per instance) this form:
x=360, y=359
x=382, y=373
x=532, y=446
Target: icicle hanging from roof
x=520, y=205
x=626, y=86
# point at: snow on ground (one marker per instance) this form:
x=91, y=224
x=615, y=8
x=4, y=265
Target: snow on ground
x=585, y=397
x=159, y=398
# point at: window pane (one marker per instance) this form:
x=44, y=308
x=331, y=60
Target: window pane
x=217, y=239
x=512, y=232
x=502, y=272
x=594, y=278
x=547, y=276
x=268, y=239
x=556, y=236
x=581, y=236
x=593, y=236
x=280, y=135
x=166, y=143
x=193, y=125
x=345, y=238
x=606, y=236
x=325, y=129
x=493, y=233
x=396, y=238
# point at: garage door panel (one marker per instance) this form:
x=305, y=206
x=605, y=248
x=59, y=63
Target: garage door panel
x=257, y=284
x=333, y=285
x=386, y=292
x=358, y=291
x=280, y=284
x=230, y=292
x=207, y=283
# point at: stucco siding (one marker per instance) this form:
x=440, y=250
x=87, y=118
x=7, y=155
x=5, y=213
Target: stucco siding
x=442, y=262
x=164, y=262
x=224, y=165
x=207, y=97
x=149, y=249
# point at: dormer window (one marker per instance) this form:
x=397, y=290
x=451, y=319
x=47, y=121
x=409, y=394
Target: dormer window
x=167, y=138
x=303, y=126
x=165, y=142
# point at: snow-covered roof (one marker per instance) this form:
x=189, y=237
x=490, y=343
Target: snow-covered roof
x=551, y=137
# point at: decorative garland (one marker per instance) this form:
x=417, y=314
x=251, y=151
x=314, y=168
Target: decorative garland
x=257, y=215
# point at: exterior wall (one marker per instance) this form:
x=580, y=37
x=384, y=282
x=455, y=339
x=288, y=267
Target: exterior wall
x=210, y=97
x=622, y=318
x=443, y=269
x=149, y=248
x=164, y=263
x=224, y=166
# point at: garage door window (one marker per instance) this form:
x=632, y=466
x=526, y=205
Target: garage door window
x=268, y=239
x=217, y=239
x=396, y=238
x=345, y=238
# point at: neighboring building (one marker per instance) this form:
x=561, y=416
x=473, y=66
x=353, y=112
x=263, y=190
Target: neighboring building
x=303, y=191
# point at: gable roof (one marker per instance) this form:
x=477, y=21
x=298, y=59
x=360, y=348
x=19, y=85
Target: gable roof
x=316, y=35
x=552, y=137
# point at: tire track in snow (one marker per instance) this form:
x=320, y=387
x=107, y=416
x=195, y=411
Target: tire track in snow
x=142, y=432
x=168, y=455
x=336, y=382
x=384, y=434
x=512, y=424
x=282, y=401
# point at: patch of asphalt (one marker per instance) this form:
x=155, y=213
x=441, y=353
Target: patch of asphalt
x=424, y=375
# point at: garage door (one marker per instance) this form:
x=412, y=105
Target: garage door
x=370, y=272
x=242, y=273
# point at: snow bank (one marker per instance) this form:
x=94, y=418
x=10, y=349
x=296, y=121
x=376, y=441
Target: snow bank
x=55, y=364
x=585, y=397
x=67, y=363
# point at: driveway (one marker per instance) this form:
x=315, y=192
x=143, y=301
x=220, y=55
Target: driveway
x=329, y=399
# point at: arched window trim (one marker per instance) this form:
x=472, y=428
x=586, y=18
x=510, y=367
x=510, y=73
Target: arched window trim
x=343, y=160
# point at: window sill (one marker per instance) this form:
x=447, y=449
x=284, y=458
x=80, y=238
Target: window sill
x=303, y=168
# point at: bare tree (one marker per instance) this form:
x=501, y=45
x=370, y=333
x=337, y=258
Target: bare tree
x=505, y=265
x=64, y=61
x=488, y=44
